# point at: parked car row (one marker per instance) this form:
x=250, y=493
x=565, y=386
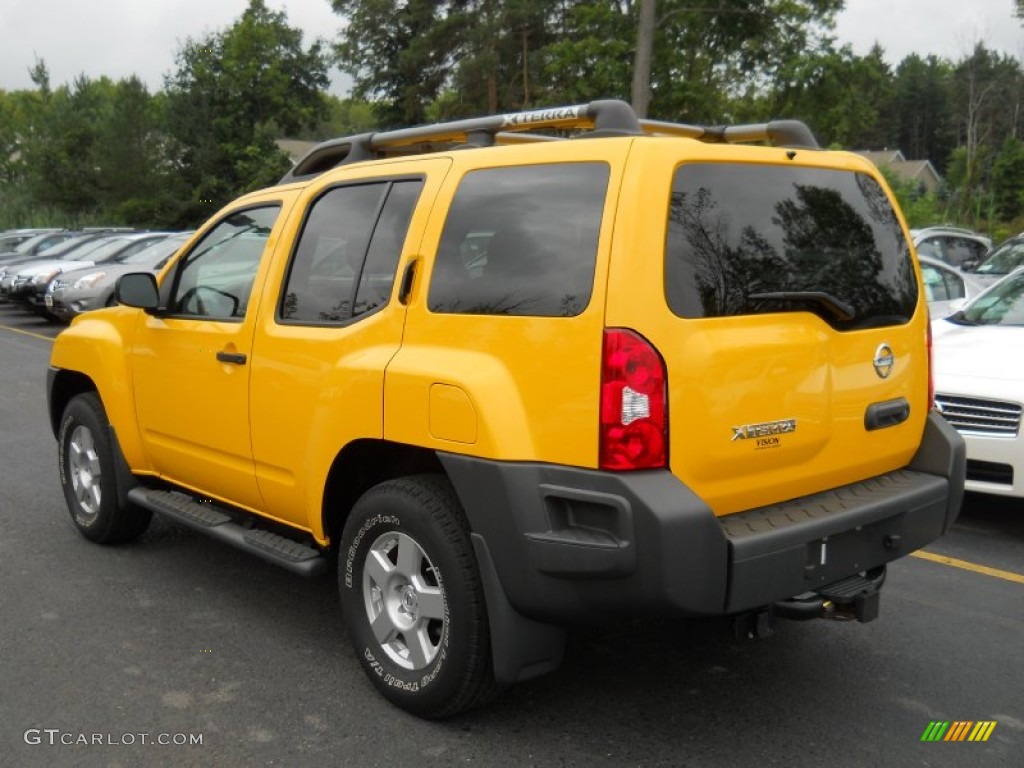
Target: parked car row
x=970, y=252
x=62, y=273
x=975, y=294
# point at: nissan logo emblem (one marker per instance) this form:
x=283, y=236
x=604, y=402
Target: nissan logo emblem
x=883, y=361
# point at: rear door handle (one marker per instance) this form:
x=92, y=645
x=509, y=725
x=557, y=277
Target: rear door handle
x=886, y=414
x=406, y=287
x=235, y=358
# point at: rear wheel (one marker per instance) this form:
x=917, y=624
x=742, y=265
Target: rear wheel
x=412, y=598
x=87, y=474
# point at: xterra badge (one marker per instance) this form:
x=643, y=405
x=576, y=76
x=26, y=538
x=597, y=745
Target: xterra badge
x=764, y=431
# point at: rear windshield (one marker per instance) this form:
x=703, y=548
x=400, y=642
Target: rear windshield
x=753, y=239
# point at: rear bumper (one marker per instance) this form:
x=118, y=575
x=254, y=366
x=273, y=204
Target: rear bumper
x=577, y=545
x=995, y=465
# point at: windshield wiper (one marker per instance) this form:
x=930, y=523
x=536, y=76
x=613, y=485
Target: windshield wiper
x=838, y=308
x=960, y=319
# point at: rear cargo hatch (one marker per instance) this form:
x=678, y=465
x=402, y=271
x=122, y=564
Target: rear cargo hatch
x=791, y=332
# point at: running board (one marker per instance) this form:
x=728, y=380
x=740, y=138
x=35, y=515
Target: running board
x=210, y=519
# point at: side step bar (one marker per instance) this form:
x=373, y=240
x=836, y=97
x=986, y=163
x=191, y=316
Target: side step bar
x=210, y=519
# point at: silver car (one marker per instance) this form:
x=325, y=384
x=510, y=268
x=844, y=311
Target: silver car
x=946, y=288
x=81, y=290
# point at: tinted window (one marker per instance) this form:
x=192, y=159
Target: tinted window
x=378, y=273
x=1003, y=304
x=215, y=279
x=521, y=241
x=934, y=286
x=941, y=284
x=960, y=251
x=345, y=262
x=751, y=239
x=158, y=252
x=1004, y=259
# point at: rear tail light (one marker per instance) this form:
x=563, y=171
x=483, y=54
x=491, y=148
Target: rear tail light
x=634, y=416
x=931, y=379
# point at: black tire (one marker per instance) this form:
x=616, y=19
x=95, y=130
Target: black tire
x=435, y=656
x=88, y=475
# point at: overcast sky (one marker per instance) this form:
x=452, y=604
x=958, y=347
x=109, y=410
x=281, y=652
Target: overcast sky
x=120, y=37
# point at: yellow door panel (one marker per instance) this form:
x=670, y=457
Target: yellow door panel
x=527, y=363
x=318, y=374
x=190, y=365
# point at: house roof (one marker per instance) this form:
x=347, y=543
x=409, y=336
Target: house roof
x=883, y=156
x=921, y=171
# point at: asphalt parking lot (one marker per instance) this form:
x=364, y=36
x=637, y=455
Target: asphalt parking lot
x=176, y=636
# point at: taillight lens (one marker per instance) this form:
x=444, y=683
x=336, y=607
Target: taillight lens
x=634, y=417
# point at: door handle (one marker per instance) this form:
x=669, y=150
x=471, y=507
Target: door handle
x=235, y=358
x=406, y=288
x=886, y=414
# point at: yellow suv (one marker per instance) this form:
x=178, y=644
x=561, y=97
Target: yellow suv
x=525, y=371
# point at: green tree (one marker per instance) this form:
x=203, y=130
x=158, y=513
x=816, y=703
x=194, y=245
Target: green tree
x=708, y=55
x=591, y=53
x=922, y=109
x=135, y=184
x=1008, y=180
x=987, y=94
x=232, y=94
x=344, y=117
x=12, y=127
x=60, y=142
x=845, y=98
x=401, y=65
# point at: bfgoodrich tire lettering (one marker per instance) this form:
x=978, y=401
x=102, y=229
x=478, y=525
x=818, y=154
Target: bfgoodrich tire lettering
x=412, y=598
x=87, y=474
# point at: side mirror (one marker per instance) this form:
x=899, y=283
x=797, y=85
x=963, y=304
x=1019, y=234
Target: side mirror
x=138, y=289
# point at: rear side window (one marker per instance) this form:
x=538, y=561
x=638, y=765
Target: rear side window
x=940, y=285
x=752, y=239
x=345, y=262
x=521, y=241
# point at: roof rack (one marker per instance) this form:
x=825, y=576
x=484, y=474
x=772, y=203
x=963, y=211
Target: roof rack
x=605, y=117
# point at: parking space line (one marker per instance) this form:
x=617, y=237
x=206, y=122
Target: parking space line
x=26, y=333
x=968, y=566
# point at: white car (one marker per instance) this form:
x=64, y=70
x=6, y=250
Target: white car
x=946, y=288
x=979, y=384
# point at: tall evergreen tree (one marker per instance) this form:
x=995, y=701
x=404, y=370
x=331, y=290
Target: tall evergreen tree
x=233, y=92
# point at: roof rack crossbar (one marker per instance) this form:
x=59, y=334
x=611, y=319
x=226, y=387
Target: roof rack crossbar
x=782, y=133
x=673, y=129
x=605, y=117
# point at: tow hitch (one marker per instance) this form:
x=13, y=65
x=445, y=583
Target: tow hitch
x=854, y=598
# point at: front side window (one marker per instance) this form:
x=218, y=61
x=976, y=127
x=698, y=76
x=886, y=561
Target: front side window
x=521, y=241
x=214, y=281
x=345, y=261
x=753, y=239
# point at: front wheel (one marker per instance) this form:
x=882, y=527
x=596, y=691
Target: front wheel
x=412, y=598
x=87, y=474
